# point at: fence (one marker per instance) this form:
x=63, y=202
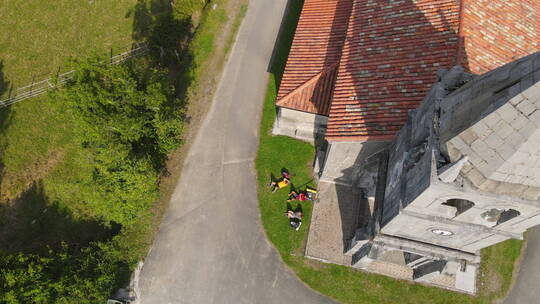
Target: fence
x=40, y=87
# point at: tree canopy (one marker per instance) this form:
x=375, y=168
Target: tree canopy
x=127, y=121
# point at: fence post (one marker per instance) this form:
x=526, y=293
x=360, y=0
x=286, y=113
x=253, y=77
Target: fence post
x=32, y=85
x=29, y=90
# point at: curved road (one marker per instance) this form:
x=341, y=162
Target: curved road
x=525, y=290
x=211, y=247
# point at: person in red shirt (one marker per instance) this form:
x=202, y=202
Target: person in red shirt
x=300, y=196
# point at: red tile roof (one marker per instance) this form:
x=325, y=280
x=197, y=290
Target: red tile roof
x=499, y=31
x=392, y=53
x=314, y=95
x=378, y=58
x=309, y=75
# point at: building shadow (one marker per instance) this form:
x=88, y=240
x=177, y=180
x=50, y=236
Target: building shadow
x=355, y=190
x=33, y=224
x=393, y=62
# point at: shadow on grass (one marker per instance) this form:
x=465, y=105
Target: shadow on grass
x=4, y=84
x=5, y=120
x=166, y=35
x=32, y=224
x=168, y=38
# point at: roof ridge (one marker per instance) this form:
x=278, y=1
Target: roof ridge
x=306, y=84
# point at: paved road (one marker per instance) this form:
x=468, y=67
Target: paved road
x=526, y=289
x=211, y=247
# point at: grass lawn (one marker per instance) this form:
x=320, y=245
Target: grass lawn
x=38, y=153
x=37, y=36
x=339, y=282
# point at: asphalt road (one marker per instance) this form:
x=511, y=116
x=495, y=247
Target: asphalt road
x=526, y=290
x=211, y=247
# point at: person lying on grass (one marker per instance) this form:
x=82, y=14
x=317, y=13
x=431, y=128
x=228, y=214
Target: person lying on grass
x=300, y=196
x=281, y=183
x=295, y=218
x=305, y=195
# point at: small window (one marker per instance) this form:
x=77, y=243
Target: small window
x=461, y=205
x=507, y=215
x=499, y=216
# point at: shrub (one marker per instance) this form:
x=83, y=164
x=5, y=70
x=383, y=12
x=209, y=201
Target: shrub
x=69, y=275
x=184, y=9
x=127, y=121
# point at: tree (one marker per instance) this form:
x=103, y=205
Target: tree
x=69, y=275
x=128, y=120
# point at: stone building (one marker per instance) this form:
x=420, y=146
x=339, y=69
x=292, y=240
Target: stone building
x=460, y=176
x=418, y=205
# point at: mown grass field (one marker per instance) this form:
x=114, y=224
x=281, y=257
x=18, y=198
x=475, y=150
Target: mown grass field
x=343, y=283
x=36, y=40
x=37, y=36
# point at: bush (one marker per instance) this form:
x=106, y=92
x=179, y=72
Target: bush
x=127, y=121
x=70, y=275
x=184, y=9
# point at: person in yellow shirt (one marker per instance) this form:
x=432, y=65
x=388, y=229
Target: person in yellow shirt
x=280, y=184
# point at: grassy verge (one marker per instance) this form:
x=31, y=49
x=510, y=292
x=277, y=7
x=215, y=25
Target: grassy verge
x=343, y=283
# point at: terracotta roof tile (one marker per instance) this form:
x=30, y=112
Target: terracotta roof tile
x=390, y=58
x=310, y=72
x=366, y=63
x=314, y=95
x=499, y=31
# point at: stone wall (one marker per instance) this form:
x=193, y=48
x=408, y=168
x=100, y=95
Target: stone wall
x=503, y=143
x=488, y=129
x=300, y=125
x=344, y=160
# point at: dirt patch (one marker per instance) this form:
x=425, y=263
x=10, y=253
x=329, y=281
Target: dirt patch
x=13, y=185
x=199, y=103
x=491, y=282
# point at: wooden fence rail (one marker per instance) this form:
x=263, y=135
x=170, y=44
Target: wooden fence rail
x=40, y=87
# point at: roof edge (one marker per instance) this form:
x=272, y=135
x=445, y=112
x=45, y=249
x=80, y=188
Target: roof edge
x=360, y=138
x=281, y=102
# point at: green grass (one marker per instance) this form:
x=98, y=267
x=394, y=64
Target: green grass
x=203, y=43
x=236, y=25
x=36, y=145
x=38, y=36
x=276, y=152
x=339, y=282
x=36, y=135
